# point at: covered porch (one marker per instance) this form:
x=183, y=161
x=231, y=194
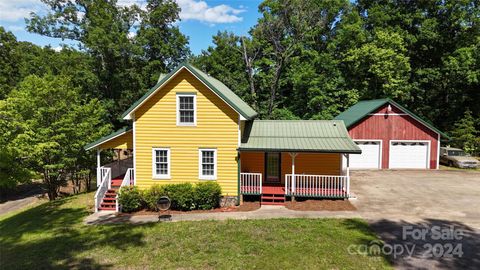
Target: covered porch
x=116, y=171
x=280, y=159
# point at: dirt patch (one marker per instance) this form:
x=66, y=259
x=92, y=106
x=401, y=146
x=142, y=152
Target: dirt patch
x=245, y=207
x=321, y=205
x=248, y=206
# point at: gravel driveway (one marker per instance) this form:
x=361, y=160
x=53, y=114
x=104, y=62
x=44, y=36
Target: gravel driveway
x=401, y=205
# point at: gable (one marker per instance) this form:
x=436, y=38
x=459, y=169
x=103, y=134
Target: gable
x=162, y=105
x=214, y=85
x=363, y=109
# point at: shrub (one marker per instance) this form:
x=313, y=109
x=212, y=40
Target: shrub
x=151, y=196
x=181, y=195
x=130, y=198
x=207, y=195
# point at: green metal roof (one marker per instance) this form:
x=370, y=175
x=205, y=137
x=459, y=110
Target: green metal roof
x=363, y=108
x=215, y=85
x=107, y=138
x=297, y=135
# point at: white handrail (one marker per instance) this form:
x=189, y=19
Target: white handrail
x=127, y=181
x=251, y=183
x=105, y=173
x=328, y=186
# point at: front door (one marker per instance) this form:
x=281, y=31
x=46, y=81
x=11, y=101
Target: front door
x=272, y=167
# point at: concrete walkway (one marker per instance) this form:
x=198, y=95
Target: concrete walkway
x=265, y=212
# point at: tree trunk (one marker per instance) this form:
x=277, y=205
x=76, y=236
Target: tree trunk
x=274, y=87
x=249, y=66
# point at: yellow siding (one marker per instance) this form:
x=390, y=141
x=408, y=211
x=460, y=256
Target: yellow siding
x=305, y=163
x=217, y=127
x=124, y=141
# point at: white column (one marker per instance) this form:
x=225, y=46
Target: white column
x=348, y=174
x=293, y=155
x=98, y=167
x=348, y=165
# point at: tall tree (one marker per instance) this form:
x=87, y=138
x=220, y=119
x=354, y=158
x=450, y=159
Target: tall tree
x=164, y=46
x=56, y=123
x=107, y=32
x=9, y=57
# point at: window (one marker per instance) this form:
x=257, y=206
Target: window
x=161, y=163
x=186, y=106
x=207, y=164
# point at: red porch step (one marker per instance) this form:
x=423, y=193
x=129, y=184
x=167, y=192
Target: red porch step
x=273, y=195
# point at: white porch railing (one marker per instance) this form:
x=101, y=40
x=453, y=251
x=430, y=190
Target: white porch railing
x=251, y=183
x=127, y=181
x=105, y=184
x=323, y=186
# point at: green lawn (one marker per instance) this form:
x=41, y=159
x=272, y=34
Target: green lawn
x=52, y=235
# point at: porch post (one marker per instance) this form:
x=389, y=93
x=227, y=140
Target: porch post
x=348, y=175
x=239, y=168
x=98, y=167
x=348, y=165
x=293, y=155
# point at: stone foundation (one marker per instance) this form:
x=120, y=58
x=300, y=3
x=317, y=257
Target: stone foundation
x=227, y=201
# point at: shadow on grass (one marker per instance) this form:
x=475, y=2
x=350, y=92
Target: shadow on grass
x=429, y=252
x=51, y=236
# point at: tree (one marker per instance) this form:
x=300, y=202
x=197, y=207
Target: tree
x=8, y=62
x=380, y=67
x=13, y=169
x=164, y=46
x=465, y=135
x=56, y=123
x=124, y=63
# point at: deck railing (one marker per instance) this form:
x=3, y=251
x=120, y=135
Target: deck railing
x=128, y=180
x=321, y=186
x=251, y=183
x=105, y=184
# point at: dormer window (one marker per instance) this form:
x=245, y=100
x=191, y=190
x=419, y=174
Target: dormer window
x=186, y=109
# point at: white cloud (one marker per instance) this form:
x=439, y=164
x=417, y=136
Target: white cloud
x=58, y=48
x=127, y=3
x=13, y=10
x=199, y=10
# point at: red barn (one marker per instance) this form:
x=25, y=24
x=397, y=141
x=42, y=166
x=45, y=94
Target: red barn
x=391, y=136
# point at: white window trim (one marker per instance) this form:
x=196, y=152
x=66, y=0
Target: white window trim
x=200, y=172
x=194, y=95
x=154, y=171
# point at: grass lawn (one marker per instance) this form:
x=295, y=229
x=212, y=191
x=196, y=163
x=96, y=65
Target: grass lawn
x=52, y=235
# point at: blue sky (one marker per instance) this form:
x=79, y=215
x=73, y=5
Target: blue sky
x=201, y=19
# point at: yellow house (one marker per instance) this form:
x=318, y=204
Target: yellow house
x=190, y=127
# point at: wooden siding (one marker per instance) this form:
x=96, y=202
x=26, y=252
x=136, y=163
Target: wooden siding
x=217, y=127
x=124, y=141
x=305, y=163
x=394, y=127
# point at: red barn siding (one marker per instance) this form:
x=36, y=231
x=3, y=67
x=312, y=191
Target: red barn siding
x=394, y=127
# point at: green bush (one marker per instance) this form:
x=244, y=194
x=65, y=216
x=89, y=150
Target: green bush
x=184, y=197
x=207, y=195
x=130, y=199
x=181, y=195
x=151, y=196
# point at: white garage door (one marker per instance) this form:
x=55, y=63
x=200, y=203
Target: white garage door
x=370, y=157
x=411, y=155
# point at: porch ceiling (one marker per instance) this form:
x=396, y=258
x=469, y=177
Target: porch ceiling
x=297, y=136
x=120, y=139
